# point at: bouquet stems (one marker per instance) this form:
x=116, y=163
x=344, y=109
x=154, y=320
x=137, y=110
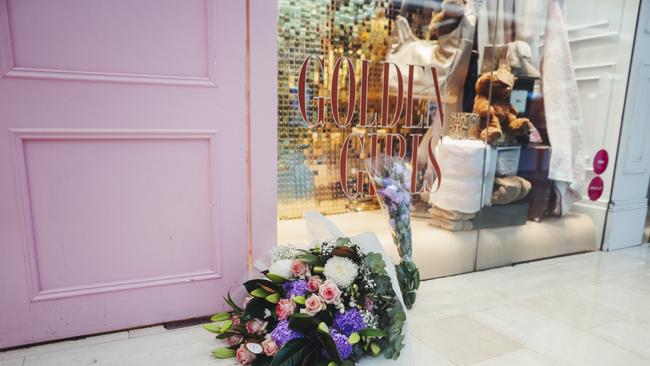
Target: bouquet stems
x=392, y=182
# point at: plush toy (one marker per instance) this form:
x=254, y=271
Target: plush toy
x=503, y=124
x=510, y=189
x=448, y=18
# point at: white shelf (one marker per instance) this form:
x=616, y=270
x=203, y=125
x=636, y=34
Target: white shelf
x=442, y=253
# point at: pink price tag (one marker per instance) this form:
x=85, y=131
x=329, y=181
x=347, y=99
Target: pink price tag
x=596, y=187
x=601, y=159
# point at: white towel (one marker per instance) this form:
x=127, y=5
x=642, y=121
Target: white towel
x=461, y=163
x=562, y=107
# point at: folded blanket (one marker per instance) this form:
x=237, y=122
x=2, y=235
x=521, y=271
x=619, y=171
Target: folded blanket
x=461, y=157
x=438, y=212
x=452, y=225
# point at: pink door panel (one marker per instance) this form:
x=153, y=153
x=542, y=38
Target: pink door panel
x=122, y=163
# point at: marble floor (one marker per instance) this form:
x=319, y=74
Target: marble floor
x=589, y=309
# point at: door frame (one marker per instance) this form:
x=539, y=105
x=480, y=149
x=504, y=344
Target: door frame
x=261, y=95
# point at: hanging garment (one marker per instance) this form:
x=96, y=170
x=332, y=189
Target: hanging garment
x=504, y=21
x=562, y=109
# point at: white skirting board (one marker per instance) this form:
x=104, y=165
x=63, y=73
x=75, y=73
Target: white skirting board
x=440, y=253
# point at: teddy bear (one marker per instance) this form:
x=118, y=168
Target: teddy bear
x=448, y=18
x=503, y=124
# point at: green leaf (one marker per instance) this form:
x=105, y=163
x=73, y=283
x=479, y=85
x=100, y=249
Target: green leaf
x=300, y=300
x=327, y=341
x=293, y=353
x=310, y=259
x=263, y=283
x=319, y=269
x=310, y=358
x=323, y=328
x=354, y=338
x=372, y=332
x=225, y=326
x=375, y=350
x=257, y=307
x=219, y=317
x=223, y=352
x=276, y=278
x=343, y=241
x=258, y=292
x=273, y=298
x=303, y=323
x=375, y=262
x=213, y=328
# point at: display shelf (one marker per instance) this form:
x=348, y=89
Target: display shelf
x=443, y=253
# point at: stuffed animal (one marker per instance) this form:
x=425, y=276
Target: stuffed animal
x=503, y=124
x=510, y=189
x=448, y=18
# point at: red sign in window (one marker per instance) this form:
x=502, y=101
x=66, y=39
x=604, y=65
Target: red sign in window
x=596, y=187
x=600, y=161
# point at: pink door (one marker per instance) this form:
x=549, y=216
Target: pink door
x=123, y=198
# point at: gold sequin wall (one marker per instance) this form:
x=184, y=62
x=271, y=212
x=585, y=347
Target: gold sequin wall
x=308, y=176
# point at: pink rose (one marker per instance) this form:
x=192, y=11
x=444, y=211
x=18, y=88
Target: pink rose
x=270, y=348
x=256, y=326
x=244, y=356
x=234, y=339
x=299, y=268
x=285, y=309
x=330, y=292
x=235, y=320
x=368, y=304
x=314, y=283
x=313, y=305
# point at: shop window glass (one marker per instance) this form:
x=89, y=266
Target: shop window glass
x=495, y=104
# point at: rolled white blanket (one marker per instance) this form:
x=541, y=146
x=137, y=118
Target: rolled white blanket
x=461, y=163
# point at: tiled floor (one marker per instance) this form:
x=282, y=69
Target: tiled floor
x=590, y=309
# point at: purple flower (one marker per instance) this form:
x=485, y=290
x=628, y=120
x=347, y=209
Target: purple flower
x=404, y=196
x=391, y=194
x=387, y=182
x=283, y=334
x=342, y=346
x=296, y=288
x=349, y=322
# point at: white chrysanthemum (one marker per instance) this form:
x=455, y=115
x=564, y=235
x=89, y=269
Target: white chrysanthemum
x=281, y=268
x=341, y=270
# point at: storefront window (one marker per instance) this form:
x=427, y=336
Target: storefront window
x=501, y=108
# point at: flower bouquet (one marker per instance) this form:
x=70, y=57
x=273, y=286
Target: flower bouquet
x=392, y=181
x=333, y=304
